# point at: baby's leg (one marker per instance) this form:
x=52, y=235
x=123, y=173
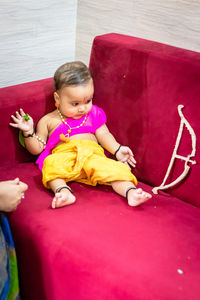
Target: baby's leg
x=63, y=194
x=127, y=189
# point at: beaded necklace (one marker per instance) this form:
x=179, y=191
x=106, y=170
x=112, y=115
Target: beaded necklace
x=65, y=137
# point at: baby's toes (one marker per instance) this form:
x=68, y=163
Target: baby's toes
x=139, y=191
x=71, y=199
x=56, y=200
x=53, y=204
x=60, y=202
x=148, y=196
x=144, y=196
x=138, y=197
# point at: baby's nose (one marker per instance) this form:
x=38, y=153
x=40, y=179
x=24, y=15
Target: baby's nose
x=81, y=108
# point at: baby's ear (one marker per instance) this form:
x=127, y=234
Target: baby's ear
x=56, y=96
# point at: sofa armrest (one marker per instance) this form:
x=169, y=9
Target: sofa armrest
x=36, y=98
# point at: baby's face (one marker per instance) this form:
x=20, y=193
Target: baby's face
x=75, y=101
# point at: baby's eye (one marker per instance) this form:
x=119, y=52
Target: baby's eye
x=89, y=101
x=75, y=103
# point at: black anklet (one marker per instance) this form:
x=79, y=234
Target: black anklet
x=131, y=188
x=63, y=187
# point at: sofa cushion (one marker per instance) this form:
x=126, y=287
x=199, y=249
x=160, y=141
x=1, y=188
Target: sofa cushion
x=139, y=84
x=101, y=248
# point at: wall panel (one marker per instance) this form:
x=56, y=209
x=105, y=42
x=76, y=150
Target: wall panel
x=171, y=22
x=35, y=38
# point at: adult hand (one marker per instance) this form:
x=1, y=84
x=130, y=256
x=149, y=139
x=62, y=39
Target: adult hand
x=125, y=155
x=11, y=193
x=21, y=123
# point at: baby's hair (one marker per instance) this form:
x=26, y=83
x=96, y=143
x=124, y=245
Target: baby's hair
x=72, y=73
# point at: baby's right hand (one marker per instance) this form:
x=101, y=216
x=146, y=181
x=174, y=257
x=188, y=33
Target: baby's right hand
x=21, y=123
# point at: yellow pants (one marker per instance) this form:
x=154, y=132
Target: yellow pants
x=84, y=161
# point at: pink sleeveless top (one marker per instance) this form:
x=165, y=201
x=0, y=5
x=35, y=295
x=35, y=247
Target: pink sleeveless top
x=96, y=118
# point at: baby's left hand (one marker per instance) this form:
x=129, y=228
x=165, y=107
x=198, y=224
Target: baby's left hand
x=125, y=155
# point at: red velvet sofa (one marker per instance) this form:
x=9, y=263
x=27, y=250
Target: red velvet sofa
x=100, y=248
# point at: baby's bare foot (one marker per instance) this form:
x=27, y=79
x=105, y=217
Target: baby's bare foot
x=137, y=197
x=62, y=198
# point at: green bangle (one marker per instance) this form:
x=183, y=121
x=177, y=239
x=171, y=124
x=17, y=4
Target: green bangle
x=21, y=139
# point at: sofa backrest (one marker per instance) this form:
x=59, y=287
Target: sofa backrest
x=139, y=84
x=36, y=98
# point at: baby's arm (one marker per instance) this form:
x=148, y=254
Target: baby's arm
x=107, y=141
x=33, y=145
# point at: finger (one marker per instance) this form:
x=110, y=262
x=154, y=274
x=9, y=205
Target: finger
x=133, y=165
x=22, y=112
x=23, y=186
x=16, y=180
x=14, y=125
x=132, y=159
x=14, y=118
x=130, y=152
x=18, y=115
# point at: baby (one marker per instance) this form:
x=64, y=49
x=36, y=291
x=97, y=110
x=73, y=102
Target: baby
x=70, y=139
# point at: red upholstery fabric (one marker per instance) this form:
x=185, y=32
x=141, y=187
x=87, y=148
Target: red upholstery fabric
x=100, y=248
x=139, y=84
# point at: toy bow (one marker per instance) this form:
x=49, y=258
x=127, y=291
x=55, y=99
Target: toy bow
x=187, y=159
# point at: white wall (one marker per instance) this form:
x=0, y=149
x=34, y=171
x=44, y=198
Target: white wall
x=174, y=22
x=36, y=37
